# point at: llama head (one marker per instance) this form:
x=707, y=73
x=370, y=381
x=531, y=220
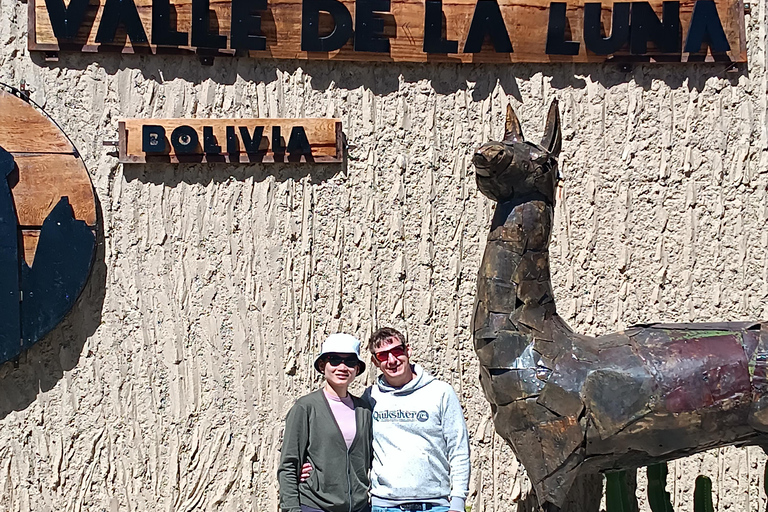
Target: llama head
x=515, y=168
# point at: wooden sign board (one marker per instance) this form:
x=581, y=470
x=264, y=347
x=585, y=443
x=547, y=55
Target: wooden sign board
x=493, y=31
x=48, y=224
x=230, y=140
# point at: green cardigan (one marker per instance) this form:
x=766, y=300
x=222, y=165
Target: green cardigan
x=339, y=480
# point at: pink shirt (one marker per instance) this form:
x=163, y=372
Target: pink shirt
x=343, y=410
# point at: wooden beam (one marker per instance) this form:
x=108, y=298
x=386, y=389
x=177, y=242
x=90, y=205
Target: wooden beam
x=526, y=22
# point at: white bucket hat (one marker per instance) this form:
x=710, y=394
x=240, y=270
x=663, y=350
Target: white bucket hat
x=341, y=344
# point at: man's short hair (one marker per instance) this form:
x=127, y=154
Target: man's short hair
x=380, y=336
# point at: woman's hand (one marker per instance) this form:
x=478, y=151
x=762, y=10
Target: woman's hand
x=306, y=469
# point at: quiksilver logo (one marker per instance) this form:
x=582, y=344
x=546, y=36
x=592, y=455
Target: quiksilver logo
x=401, y=415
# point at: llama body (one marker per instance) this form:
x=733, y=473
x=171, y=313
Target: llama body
x=568, y=403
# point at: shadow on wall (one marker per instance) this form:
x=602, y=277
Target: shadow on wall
x=172, y=175
x=41, y=367
x=384, y=77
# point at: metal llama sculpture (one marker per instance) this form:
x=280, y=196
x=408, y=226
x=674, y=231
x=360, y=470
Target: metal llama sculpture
x=568, y=403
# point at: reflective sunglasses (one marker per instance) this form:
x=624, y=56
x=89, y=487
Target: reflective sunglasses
x=395, y=351
x=336, y=360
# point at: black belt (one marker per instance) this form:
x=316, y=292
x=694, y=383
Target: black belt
x=416, y=506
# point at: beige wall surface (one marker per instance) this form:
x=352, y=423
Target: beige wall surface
x=166, y=387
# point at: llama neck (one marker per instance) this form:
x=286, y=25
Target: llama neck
x=514, y=279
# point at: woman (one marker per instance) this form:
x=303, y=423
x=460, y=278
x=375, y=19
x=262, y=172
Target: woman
x=330, y=429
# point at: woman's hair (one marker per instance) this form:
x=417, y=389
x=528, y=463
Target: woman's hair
x=383, y=334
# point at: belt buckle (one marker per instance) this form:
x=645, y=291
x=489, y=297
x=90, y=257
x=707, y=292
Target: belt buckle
x=414, y=506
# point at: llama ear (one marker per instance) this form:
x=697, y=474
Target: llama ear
x=553, y=139
x=512, y=130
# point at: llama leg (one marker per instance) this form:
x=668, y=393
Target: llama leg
x=551, y=448
x=550, y=507
x=585, y=493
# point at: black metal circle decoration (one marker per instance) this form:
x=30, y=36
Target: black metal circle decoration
x=47, y=224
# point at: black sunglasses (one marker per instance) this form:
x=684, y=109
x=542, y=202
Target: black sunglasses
x=336, y=360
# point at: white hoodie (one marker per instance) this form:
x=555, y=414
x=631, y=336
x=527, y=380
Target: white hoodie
x=420, y=443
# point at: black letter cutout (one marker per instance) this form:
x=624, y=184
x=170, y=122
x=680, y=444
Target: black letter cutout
x=252, y=144
x=593, y=28
x=433, y=30
x=116, y=11
x=233, y=146
x=201, y=21
x=645, y=26
x=246, y=24
x=184, y=140
x=152, y=138
x=487, y=20
x=369, y=26
x=556, y=43
x=210, y=144
x=161, y=26
x=298, y=144
x=310, y=25
x=278, y=145
x=66, y=21
x=706, y=26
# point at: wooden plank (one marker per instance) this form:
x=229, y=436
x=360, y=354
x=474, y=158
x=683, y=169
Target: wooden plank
x=29, y=240
x=323, y=135
x=44, y=180
x=25, y=130
x=737, y=12
x=122, y=138
x=281, y=24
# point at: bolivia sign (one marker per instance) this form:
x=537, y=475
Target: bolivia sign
x=399, y=30
x=230, y=140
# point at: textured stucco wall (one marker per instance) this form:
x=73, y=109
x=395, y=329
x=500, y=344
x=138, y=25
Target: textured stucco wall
x=166, y=388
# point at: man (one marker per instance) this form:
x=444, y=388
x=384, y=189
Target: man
x=420, y=442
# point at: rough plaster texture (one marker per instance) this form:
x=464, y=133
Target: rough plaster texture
x=166, y=387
